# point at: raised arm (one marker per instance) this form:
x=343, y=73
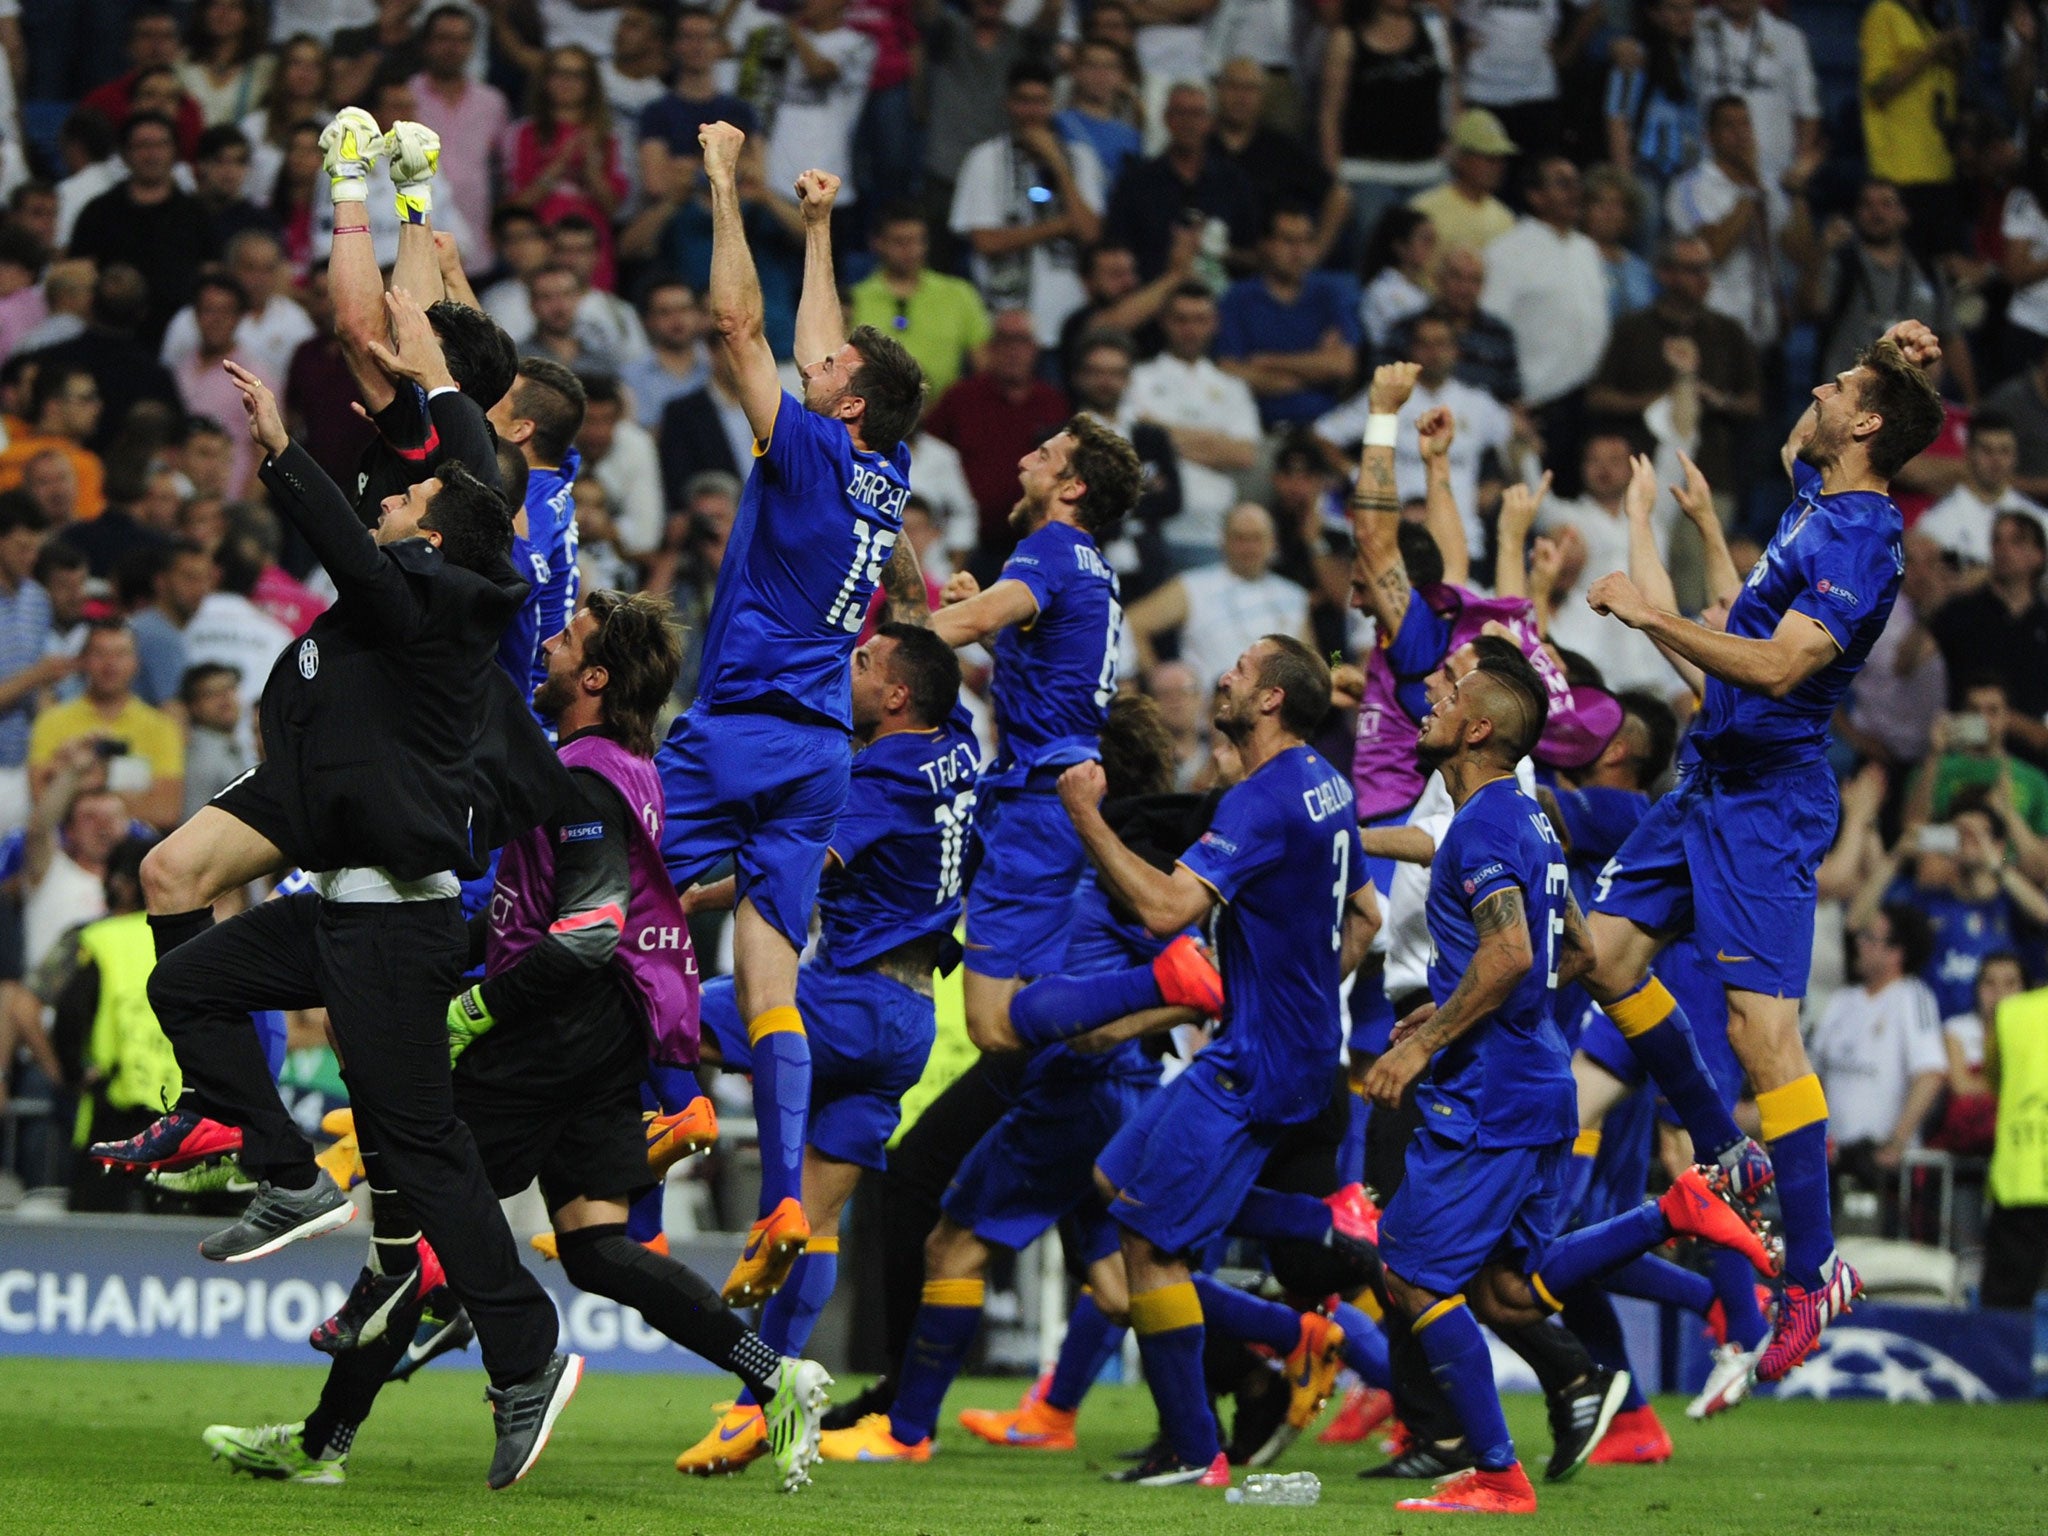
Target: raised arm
x=735, y=288
x=820, y=322
x=1435, y=430
x=1695, y=499
x=1518, y=506
x=1164, y=903
x=971, y=615
x=1795, y=650
x=904, y=599
x=1502, y=959
x=1376, y=504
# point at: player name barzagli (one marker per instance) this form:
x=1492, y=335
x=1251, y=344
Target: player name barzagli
x=877, y=491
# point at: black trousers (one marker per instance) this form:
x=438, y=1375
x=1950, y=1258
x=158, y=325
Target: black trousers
x=2015, y=1255
x=385, y=973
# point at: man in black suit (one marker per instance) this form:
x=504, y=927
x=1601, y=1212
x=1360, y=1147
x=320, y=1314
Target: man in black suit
x=397, y=754
x=705, y=429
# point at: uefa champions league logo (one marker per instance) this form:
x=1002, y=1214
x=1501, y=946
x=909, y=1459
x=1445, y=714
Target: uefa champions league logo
x=1876, y=1363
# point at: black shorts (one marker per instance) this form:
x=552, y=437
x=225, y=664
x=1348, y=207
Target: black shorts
x=590, y=1142
x=254, y=801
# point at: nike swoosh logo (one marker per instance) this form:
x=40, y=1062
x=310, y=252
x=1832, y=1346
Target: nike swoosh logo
x=1727, y=959
x=734, y=1434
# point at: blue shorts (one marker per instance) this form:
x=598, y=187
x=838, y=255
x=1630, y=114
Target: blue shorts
x=1183, y=1164
x=869, y=1039
x=1461, y=1207
x=763, y=791
x=1731, y=858
x=1019, y=906
x=1037, y=1163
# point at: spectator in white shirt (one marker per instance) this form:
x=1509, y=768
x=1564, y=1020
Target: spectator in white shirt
x=231, y=630
x=1027, y=203
x=1484, y=425
x=1961, y=521
x=940, y=479
x=1753, y=227
x=675, y=362
x=824, y=86
x=1548, y=282
x=621, y=454
x=1741, y=49
x=1878, y=1047
x=1511, y=53
x=1211, y=417
x=1220, y=610
x=1593, y=534
x=573, y=243
x=275, y=324
x=85, y=149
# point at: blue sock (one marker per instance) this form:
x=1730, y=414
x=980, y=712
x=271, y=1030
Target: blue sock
x=1661, y=1036
x=1735, y=1287
x=1250, y=1318
x=1054, y=1007
x=1456, y=1351
x=1091, y=1339
x=1795, y=1128
x=1590, y=1315
x=792, y=1312
x=947, y=1321
x=782, y=1101
x=643, y=1216
x=1649, y=1278
x=1365, y=1347
x=1578, y=1175
x=672, y=1087
x=1168, y=1322
x=1272, y=1216
x=1580, y=1256
x=1351, y=1150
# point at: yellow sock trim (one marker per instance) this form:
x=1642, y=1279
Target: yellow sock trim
x=1442, y=1309
x=1784, y=1110
x=823, y=1244
x=1369, y=1304
x=1168, y=1308
x=1586, y=1144
x=1358, y=1086
x=1543, y=1294
x=954, y=1293
x=776, y=1021
x=1642, y=1011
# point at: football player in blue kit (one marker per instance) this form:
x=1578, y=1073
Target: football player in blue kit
x=1035, y=1167
x=1055, y=619
x=1281, y=857
x=888, y=904
x=757, y=770
x=1478, y=1210
x=540, y=415
x=1732, y=853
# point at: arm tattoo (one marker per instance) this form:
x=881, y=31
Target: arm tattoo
x=903, y=585
x=1501, y=910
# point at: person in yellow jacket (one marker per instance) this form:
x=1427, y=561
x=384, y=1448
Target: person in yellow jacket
x=2016, y=1236
x=126, y=1071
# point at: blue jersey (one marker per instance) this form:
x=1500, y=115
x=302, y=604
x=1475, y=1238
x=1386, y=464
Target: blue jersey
x=1055, y=676
x=1099, y=941
x=1507, y=1081
x=1964, y=933
x=817, y=522
x=1282, y=851
x=902, y=841
x=1598, y=821
x=551, y=530
x=1838, y=560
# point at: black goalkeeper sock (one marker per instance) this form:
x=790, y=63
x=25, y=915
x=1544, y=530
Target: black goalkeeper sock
x=394, y=1233
x=1552, y=1351
x=170, y=929
x=350, y=1391
x=672, y=1297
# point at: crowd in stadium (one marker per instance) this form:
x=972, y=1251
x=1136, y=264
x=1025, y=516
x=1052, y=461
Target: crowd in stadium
x=1600, y=232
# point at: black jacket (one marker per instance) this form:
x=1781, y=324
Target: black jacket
x=391, y=737
x=692, y=440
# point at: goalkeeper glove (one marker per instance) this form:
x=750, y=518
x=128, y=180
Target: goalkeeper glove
x=468, y=1019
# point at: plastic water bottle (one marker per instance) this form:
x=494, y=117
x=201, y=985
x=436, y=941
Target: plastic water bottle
x=1278, y=1488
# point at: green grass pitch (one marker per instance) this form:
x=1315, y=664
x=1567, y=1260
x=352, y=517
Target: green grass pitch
x=106, y=1447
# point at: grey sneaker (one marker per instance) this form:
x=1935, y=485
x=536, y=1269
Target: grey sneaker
x=526, y=1414
x=277, y=1217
